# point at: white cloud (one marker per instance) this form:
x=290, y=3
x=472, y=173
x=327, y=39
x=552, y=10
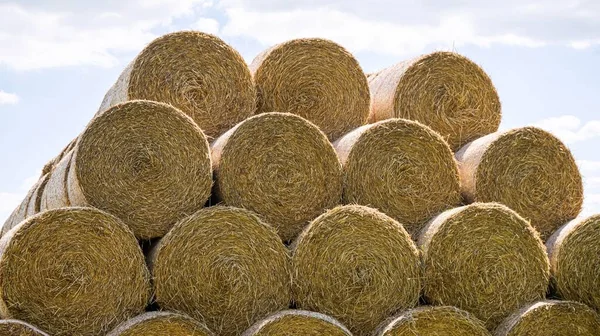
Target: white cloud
x=207, y=25
x=8, y=98
x=588, y=165
x=571, y=129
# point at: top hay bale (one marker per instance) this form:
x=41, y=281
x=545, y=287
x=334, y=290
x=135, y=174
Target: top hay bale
x=442, y=90
x=19, y=328
x=195, y=72
x=297, y=322
x=316, y=79
x=527, y=169
x=159, y=324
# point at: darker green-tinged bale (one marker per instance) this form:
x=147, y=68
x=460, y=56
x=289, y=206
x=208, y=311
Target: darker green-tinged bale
x=297, y=323
x=19, y=328
x=29, y=206
x=161, y=324
x=357, y=265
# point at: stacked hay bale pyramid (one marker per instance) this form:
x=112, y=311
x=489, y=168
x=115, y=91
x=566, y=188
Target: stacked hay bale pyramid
x=298, y=196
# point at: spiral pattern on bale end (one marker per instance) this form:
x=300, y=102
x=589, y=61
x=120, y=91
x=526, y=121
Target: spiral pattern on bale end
x=316, y=79
x=357, y=265
x=19, y=328
x=72, y=271
x=224, y=267
x=527, y=169
x=297, y=322
x=443, y=90
x=401, y=168
x=280, y=166
x=159, y=324
x=483, y=258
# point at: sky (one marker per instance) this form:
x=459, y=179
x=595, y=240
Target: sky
x=59, y=57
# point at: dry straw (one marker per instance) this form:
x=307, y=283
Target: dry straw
x=48, y=167
x=145, y=162
x=280, y=166
x=551, y=318
x=357, y=265
x=433, y=321
x=72, y=271
x=443, y=90
x=400, y=167
x=483, y=258
x=527, y=169
x=19, y=328
x=298, y=322
x=159, y=324
x=316, y=79
x=29, y=206
x=197, y=73
x=224, y=267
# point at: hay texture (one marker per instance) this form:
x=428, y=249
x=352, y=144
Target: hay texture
x=29, y=206
x=357, y=265
x=527, y=169
x=400, y=167
x=159, y=324
x=19, y=328
x=298, y=322
x=145, y=162
x=552, y=318
x=224, y=267
x=574, y=253
x=316, y=79
x=48, y=167
x=195, y=72
x=483, y=258
x=280, y=166
x=443, y=90
x=72, y=271
x=433, y=321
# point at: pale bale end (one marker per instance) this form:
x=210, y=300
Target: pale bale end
x=297, y=322
x=161, y=324
x=19, y=328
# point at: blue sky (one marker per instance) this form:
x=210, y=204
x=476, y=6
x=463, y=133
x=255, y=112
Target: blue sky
x=58, y=58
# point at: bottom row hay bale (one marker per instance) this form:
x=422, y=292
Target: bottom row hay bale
x=483, y=258
x=19, y=328
x=357, y=265
x=222, y=266
x=159, y=324
x=297, y=322
x=72, y=271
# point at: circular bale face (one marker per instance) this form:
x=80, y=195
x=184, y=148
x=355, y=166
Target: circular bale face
x=551, y=318
x=224, y=267
x=280, y=166
x=357, y=265
x=527, y=169
x=444, y=320
x=159, y=324
x=443, y=90
x=298, y=322
x=483, y=258
x=19, y=328
x=400, y=167
x=145, y=162
x=316, y=79
x=72, y=271
x=197, y=73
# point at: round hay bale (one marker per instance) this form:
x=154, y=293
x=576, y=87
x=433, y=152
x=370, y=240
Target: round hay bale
x=159, y=324
x=19, y=328
x=72, y=271
x=443, y=90
x=297, y=322
x=145, y=162
x=527, y=169
x=551, y=318
x=316, y=79
x=195, y=72
x=29, y=206
x=222, y=266
x=48, y=167
x=34, y=205
x=400, y=167
x=357, y=265
x=483, y=258
x=280, y=166
x=443, y=320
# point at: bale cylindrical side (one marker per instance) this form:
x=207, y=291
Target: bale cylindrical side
x=48, y=167
x=401, y=168
x=195, y=72
x=27, y=207
x=357, y=265
x=34, y=205
x=56, y=195
x=297, y=322
x=223, y=266
x=19, y=328
x=159, y=324
x=72, y=271
x=527, y=169
x=280, y=166
x=316, y=79
x=483, y=258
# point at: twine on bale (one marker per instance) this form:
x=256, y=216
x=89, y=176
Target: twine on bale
x=223, y=266
x=297, y=322
x=316, y=79
x=483, y=258
x=280, y=166
x=401, y=168
x=19, y=328
x=159, y=324
x=357, y=265
x=527, y=169
x=29, y=206
x=443, y=90
x=72, y=271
